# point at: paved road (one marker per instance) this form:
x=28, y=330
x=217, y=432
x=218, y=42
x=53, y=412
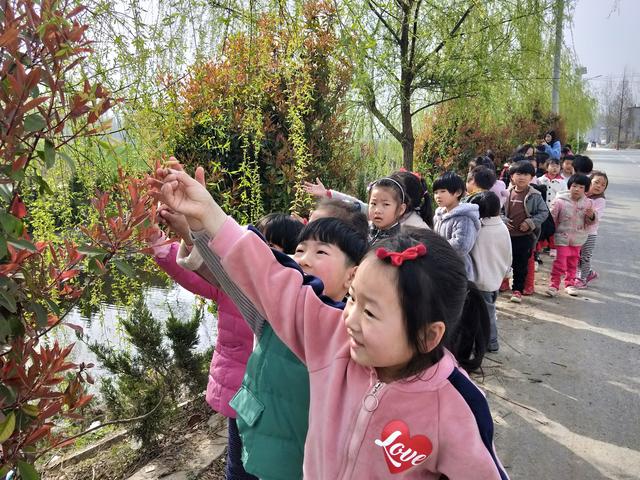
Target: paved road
x=565, y=386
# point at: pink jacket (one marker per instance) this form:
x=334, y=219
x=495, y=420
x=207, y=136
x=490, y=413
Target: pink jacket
x=571, y=219
x=598, y=205
x=235, y=339
x=359, y=427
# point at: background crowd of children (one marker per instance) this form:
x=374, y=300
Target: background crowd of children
x=305, y=350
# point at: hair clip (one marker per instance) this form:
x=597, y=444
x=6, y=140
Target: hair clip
x=398, y=258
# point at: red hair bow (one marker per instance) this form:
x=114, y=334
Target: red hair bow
x=398, y=258
x=415, y=174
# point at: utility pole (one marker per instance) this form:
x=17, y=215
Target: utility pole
x=624, y=83
x=555, y=89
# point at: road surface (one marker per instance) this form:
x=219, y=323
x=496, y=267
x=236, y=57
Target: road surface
x=565, y=386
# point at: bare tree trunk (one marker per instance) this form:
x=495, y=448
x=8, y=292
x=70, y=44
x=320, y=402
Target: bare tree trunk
x=555, y=91
x=406, y=81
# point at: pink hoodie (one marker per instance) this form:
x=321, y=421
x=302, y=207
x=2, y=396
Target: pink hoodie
x=361, y=428
x=235, y=339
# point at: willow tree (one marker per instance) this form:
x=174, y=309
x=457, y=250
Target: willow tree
x=414, y=55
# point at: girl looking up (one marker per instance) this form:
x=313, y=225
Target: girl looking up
x=387, y=393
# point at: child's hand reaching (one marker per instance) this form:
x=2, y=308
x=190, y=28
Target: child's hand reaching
x=176, y=222
x=188, y=196
x=316, y=189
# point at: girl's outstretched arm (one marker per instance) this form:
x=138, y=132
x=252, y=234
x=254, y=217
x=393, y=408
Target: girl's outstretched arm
x=307, y=322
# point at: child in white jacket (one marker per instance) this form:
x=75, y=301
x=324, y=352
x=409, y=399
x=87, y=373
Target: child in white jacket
x=491, y=256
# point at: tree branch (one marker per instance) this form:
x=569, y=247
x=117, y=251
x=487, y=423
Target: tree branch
x=438, y=102
x=370, y=103
x=102, y=425
x=384, y=22
x=452, y=34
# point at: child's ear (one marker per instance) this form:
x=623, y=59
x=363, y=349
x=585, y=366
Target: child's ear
x=350, y=274
x=403, y=208
x=431, y=336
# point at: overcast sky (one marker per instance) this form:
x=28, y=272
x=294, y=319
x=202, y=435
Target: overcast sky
x=606, y=38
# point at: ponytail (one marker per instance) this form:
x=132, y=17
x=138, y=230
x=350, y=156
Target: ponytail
x=426, y=207
x=468, y=342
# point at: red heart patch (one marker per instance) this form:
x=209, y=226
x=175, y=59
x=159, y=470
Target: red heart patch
x=401, y=451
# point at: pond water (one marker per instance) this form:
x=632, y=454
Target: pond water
x=104, y=327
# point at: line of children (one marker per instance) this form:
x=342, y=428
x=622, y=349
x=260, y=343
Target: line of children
x=386, y=395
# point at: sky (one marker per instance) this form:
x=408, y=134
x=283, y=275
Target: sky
x=606, y=38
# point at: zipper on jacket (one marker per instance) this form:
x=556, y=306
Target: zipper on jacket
x=370, y=403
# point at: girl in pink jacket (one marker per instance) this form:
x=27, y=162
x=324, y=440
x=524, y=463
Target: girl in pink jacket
x=387, y=395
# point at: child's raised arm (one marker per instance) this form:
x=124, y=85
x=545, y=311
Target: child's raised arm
x=309, y=324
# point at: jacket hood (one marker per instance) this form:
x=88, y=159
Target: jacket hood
x=470, y=210
x=566, y=196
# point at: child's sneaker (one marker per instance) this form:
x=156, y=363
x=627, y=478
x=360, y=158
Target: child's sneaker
x=591, y=277
x=571, y=290
x=580, y=284
x=528, y=292
x=504, y=286
x=553, y=253
x=551, y=292
x=516, y=297
x=493, y=347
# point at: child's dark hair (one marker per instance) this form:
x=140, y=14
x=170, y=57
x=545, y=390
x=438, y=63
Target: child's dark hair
x=542, y=157
x=348, y=212
x=483, y=177
x=582, y=164
x=418, y=198
x=553, y=136
x=523, y=149
x=280, y=229
x=339, y=233
x=432, y=288
x=391, y=184
x=579, y=179
x=524, y=167
x=451, y=182
x=485, y=161
x=555, y=161
x=488, y=204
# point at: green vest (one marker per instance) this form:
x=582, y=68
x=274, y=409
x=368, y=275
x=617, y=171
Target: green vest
x=273, y=410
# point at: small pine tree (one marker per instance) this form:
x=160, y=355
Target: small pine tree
x=154, y=377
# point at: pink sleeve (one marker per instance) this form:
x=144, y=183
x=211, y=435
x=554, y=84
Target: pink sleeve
x=165, y=257
x=555, y=210
x=311, y=328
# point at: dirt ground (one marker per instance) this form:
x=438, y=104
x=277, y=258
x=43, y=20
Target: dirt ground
x=121, y=460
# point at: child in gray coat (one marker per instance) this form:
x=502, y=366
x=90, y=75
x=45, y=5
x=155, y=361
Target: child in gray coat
x=458, y=222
